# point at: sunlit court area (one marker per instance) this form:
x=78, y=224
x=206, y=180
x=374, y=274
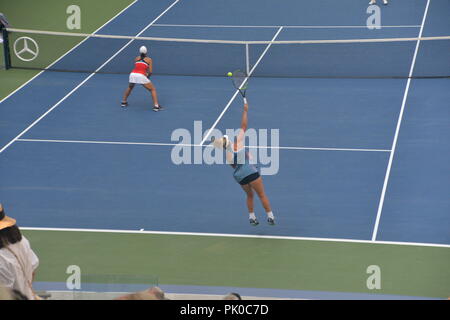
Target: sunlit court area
x=225, y=150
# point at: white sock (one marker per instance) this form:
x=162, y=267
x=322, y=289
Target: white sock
x=270, y=215
x=251, y=215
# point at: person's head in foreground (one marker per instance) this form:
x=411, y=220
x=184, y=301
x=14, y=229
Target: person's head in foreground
x=18, y=262
x=232, y=296
x=153, y=293
x=9, y=232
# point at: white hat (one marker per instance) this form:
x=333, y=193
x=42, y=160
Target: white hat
x=143, y=50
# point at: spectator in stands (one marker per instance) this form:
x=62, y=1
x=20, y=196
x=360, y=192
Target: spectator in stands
x=232, y=296
x=18, y=262
x=385, y=2
x=8, y=294
x=5, y=293
x=154, y=293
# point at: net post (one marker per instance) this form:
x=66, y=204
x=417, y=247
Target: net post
x=3, y=25
x=247, y=59
x=6, y=51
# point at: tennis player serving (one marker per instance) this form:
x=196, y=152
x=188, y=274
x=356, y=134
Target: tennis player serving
x=143, y=68
x=245, y=173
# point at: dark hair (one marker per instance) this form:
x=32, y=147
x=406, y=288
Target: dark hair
x=17, y=295
x=9, y=236
x=237, y=295
x=143, y=55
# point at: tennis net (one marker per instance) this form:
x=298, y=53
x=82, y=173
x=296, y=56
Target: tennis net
x=347, y=58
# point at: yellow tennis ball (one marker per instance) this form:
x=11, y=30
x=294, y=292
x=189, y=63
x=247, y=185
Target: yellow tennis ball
x=230, y=74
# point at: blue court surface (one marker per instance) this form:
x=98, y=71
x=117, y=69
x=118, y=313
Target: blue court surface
x=359, y=158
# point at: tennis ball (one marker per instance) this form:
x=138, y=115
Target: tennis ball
x=229, y=74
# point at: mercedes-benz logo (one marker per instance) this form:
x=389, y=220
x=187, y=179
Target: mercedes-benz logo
x=26, y=49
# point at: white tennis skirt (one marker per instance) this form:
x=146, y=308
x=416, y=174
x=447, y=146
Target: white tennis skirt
x=138, y=78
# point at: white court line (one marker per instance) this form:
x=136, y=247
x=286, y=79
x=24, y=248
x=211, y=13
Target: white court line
x=237, y=91
x=109, y=142
x=318, y=149
x=230, y=235
x=194, y=145
x=397, y=130
x=275, y=27
x=76, y=46
x=86, y=79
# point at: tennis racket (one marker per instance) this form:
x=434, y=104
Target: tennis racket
x=240, y=82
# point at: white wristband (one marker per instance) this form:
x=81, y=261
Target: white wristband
x=245, y=100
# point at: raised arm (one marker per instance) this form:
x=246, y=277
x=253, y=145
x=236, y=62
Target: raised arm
x=244, y=125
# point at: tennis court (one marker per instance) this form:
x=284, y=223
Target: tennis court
x=363, y=149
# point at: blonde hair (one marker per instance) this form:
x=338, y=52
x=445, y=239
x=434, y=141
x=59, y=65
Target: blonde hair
x=154, y=293
x=218, y=143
